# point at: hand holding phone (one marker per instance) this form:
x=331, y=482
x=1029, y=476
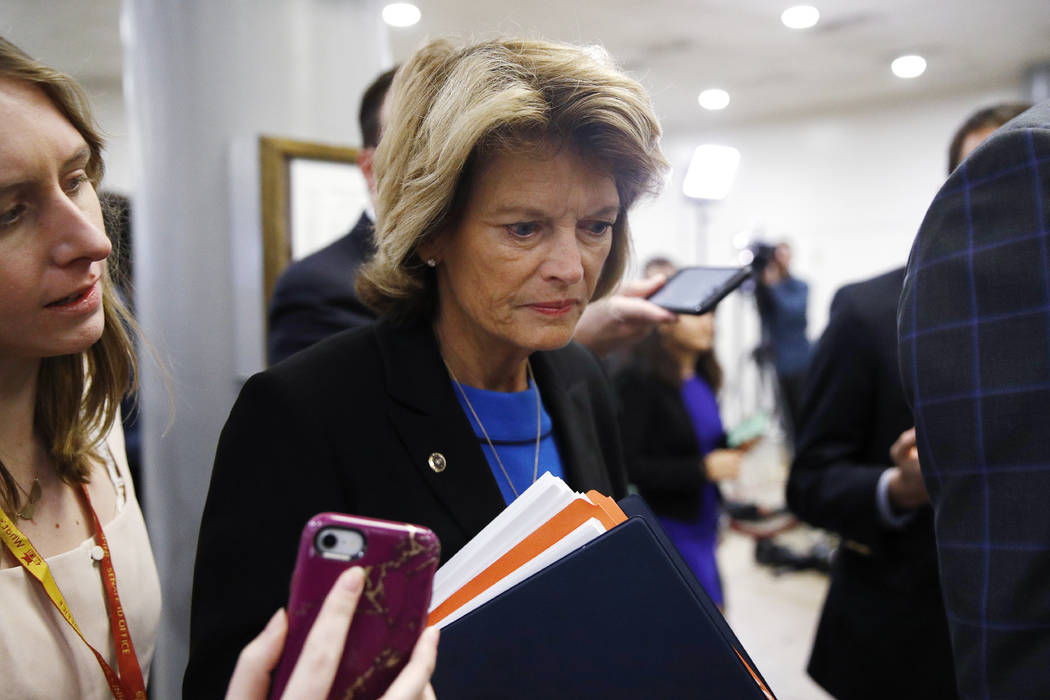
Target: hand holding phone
x=399, y=561
x=697, y=290
x=748, y=431
x=315, y=670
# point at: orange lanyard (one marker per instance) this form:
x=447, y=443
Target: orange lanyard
x=129, y=685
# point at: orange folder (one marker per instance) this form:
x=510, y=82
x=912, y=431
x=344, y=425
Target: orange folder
x=611, y=508
x=604, y=509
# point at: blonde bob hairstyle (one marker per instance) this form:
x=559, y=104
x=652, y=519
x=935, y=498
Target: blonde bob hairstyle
x=77, y=395
x=452, y=109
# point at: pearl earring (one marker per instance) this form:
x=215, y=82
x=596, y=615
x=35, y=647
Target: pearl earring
x=432, y=262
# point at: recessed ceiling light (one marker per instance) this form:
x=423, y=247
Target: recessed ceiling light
x=713, y=99
x=711, y=172
x=908, y=66
x=800, y=17
x=401, y=14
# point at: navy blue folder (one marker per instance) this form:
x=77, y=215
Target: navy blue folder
x=621, y=617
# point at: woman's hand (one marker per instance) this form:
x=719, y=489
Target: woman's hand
x=622, y=319
x=315, y=670
x=722, y=464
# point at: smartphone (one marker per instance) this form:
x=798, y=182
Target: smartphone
x=748, y=430
x=399, y=562
x=697, y=290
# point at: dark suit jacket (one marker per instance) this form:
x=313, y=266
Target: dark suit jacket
x=315, y=297
x=883, y=632
x=348, y=425
x=974, y=324
x=659, y=444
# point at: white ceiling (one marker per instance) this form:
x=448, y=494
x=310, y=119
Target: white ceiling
x=678, y=47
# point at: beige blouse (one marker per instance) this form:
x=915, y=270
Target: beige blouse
x=40, y=655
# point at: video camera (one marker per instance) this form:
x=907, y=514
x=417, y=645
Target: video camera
x=763, y=254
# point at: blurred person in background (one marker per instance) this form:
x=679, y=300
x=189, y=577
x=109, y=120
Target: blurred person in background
x=978, y=127
x=659, y=266
x=856, y=473
x=505, y=174
x=782, y=304
x=116, y=210
x=674, y=441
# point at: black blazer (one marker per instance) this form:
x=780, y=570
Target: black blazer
x=974, y=324
x=883, y=631
x=315, y=297
x=349, y=425
x=659, y=444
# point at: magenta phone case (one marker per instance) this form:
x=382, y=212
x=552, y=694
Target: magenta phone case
x=399, y=562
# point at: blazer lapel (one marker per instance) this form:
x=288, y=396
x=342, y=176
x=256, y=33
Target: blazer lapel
x=433, y=428
x=566, y=400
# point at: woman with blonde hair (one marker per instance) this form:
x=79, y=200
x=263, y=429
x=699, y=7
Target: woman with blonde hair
x=505, y=174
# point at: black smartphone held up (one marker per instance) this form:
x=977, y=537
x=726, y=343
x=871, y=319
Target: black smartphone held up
x=697, y=290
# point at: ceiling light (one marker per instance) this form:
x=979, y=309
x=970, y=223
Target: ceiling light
x=800, y=17
x=711, y=172
x=714, y=99
x=401, y=14
x=908, y=66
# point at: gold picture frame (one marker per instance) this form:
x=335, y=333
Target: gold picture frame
x=278, y=158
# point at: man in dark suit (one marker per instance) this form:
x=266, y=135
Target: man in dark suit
x=884, y=596
x=974, y=345
x=315, y=297
x=856, y=473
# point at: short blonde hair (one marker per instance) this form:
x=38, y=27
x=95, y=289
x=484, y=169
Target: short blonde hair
x=77, y=395
x=453, y=108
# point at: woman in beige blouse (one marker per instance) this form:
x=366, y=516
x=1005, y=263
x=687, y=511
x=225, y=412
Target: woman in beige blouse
x=79, y=588
x=65, y=361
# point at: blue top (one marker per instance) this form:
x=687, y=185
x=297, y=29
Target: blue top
x=510, y=419
x=702, y=407
x=696, y=540
x=787, y=325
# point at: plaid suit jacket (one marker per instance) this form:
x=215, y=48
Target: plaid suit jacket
x=974, y=347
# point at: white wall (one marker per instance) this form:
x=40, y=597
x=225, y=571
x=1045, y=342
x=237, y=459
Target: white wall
x=109, y=109
x=199, y=77
x=848, y=189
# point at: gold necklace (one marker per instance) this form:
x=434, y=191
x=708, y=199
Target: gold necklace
x=32, y=498
x=536, y=456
